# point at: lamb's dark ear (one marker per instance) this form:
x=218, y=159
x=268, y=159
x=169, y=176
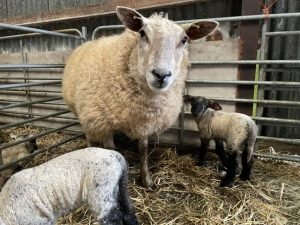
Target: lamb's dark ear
x=187, y=98
x=214, y=105
x=130, y=18
x=200, y=29
x=197, y=109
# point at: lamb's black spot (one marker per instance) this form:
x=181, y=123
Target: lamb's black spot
x=114, y=217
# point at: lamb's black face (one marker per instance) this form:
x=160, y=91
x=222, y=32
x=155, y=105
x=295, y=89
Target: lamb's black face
x=199, y=106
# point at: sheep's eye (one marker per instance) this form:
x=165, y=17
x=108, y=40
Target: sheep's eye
x=184, y=40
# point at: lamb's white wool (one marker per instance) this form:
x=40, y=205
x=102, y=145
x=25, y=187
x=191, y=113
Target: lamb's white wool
x=94, y=176
x=132, y=82
x=238, y=131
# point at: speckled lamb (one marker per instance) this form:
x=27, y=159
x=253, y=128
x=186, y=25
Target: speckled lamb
x=132, y=82
x=238, y=131
x=41, y=194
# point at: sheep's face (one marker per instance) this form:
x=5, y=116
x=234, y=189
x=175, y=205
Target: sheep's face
x=162, y=45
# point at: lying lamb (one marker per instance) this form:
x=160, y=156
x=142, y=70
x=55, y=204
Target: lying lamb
x=94, y=176
x=132, y=82
x=238, y=131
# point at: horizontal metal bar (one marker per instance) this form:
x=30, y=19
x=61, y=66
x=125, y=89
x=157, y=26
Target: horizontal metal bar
x=282, y=33
x=36, y=34
x=29, y=78
x=277, y=120
x=243, y=18
x=266, y=119
x=97, y=29
x=239, y=82
x=219, y=19
x=245, y=62
x=29, y=103
x=24, y=66
x=279, y=70
x=33, y=119
x=283, y=140
x=37, y=136
x=292, y=158
x=8, y=86
x=40, y=31
x=265, y=102
x=32, y=91
x=3, y=167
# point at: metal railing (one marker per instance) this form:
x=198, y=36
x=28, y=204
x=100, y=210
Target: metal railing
x=25, y=85
x=262, y=61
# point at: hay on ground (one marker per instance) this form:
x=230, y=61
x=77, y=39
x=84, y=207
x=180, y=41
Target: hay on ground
x=185, y=194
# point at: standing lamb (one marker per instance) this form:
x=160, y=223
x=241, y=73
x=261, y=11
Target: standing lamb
x=132, y=82
x=238, y=131
x=41, y=194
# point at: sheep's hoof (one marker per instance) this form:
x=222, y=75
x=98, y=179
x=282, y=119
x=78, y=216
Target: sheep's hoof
x=202, y=163
x=147, y=182
x=245, y=176
x=226, y=183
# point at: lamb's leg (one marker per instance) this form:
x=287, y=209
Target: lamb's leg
x=125, y=203
x=202, y=151
x=144, y=170
x=114, y=217
x=108, y=142
x=220, y=151
x=246, y=166
x=231, y=169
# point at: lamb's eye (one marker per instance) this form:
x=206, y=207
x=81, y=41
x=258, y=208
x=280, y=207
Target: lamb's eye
x=184, y=40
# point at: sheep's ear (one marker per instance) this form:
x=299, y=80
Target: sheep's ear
x=130, y=18
x=198, y=109
x=187, y=98
x=214, y=105
x=200, y=29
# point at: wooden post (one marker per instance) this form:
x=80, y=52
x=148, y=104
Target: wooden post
x=248, y=51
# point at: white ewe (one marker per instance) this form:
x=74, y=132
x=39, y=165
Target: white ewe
x=238, y=131
x=41, y=194
x=132, y=82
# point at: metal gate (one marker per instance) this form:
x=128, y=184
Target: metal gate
x=30, y=90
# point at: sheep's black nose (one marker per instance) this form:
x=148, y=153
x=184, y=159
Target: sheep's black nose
x=160, y=75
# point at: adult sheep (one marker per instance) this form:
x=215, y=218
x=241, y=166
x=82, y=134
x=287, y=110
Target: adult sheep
x=41, y=194
x=236, y=129
x=132, y=82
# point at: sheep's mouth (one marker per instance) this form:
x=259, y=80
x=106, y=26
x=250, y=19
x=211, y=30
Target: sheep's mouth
x=160, y=85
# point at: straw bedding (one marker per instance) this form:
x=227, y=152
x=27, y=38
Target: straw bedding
x=185, y=194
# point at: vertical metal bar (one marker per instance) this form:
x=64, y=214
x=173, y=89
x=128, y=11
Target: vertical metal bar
x=84, y=33
x=181, y=125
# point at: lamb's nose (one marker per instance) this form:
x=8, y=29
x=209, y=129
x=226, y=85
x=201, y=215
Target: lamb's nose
x=160, y=75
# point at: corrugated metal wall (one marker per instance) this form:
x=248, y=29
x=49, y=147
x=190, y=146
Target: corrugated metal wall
x=13, y=8
x=284, y=48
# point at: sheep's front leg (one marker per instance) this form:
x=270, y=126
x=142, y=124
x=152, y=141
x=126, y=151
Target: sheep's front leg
x=202, y=151
x=108, y=142
x=232, y=167
x=144, y=170
x=220, y=151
